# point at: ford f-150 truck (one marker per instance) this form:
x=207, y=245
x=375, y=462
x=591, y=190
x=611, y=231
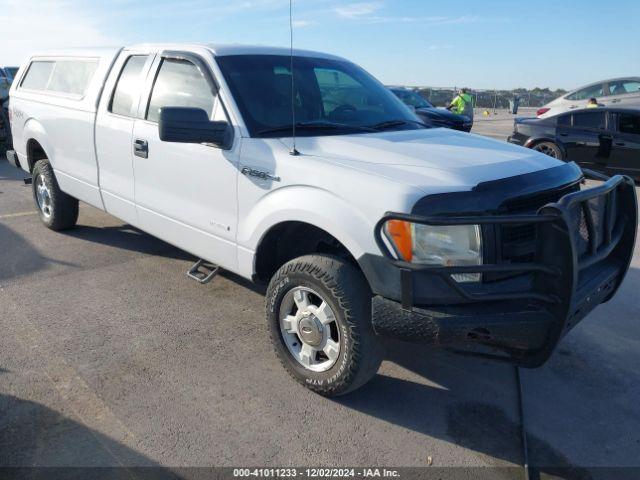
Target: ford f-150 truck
x=363, y=222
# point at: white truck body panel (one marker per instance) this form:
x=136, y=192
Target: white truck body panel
x=194, y=196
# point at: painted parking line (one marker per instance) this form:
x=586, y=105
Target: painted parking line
x=19, y=214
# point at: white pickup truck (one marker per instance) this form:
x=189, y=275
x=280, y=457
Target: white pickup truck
x=364, y=223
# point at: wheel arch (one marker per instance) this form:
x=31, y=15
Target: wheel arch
x=291, y=239
x=532, y=142
x=36, y=144
x=291, y=211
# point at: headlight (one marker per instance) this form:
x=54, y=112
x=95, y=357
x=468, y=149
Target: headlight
x=449, y=246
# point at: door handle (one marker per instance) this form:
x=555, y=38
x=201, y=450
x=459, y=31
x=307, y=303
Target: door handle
x=564, y=134
x=141, y=148
x=621, y=144
x=617, y=100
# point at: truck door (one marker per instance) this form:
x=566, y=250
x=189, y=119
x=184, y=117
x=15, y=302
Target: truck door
x=625, y=157
x=185, y=193
x=587, y=141
x=114, y=129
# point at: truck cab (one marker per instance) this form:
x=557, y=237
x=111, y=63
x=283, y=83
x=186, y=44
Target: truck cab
x=302, y=171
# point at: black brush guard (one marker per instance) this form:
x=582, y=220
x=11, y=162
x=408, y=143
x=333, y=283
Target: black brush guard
x=585, y=243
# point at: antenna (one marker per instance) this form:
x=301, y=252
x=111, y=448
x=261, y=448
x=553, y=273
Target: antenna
x=293, y=150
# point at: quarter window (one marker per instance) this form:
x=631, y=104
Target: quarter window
x=179, y=84
x=127, y=89
x=589, y=120
x=628, y=123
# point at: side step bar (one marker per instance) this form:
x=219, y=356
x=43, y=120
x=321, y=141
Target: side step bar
x=202, y=271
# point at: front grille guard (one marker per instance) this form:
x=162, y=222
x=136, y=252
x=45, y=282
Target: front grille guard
x=573, y=239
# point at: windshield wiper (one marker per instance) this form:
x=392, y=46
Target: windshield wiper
x=316, y=126
x=394, y=123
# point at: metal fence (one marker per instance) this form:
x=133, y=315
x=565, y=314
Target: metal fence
x=490, y=99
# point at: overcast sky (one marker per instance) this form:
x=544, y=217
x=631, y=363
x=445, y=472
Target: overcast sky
x=481, y=44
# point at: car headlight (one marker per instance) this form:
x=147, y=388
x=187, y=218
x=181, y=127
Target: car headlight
x=448, y=246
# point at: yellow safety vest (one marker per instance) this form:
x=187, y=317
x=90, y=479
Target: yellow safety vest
x=460, y=102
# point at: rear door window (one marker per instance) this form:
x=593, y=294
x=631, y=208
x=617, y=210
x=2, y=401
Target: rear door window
x=593, y=91
x=127, y=90
x=179, y=84
x=592, y=120
x=624, y=87
x=629, y=123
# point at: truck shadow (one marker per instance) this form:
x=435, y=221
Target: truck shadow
x=9, y=172
x=127, y=237
x=583, y=398
x=38, y=442
x=469, y=422
x=18, y=257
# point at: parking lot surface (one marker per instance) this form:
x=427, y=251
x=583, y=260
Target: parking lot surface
x=111, y=356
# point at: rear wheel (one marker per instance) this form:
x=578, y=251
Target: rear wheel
x=549, y=148
x=319, y=315
x=58, y=211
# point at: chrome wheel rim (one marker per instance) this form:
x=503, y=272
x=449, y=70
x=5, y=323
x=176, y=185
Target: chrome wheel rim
x=43, y=196
x=547, y=150
x=309, y=329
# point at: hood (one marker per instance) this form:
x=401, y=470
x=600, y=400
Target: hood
x=442, y=115
x=433, y=160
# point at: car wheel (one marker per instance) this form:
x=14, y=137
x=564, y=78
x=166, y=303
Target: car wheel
x=58, y=211
x=319, y=320
x=549, y=148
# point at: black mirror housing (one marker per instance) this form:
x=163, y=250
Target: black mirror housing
x=192, y=125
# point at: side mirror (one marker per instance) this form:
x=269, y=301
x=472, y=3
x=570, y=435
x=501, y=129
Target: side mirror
x=192, y=125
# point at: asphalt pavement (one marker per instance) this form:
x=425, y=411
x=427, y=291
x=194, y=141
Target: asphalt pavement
x=111, y=356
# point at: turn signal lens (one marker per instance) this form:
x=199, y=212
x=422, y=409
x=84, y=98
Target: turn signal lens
x=542, y=111
x=399, y=232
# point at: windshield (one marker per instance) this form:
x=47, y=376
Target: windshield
x=411, y=98
x=331, y=97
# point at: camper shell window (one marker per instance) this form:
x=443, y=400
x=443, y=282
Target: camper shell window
x=68, y=77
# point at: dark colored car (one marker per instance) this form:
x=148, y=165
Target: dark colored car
x=602, y=139
x=430, y=115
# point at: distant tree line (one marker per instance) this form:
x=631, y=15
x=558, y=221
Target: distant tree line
x=535, y=97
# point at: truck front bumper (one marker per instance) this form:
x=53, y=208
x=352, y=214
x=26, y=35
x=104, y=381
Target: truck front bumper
x=584, y=245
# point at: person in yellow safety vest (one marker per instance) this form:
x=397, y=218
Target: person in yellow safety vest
x=462, y=104
x=593, y=103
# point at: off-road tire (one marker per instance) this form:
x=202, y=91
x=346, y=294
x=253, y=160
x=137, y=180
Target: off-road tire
x=64, y=208
x=344, y=287
x=550, y=149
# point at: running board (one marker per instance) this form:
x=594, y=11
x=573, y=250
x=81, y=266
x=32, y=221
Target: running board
x=202, y=271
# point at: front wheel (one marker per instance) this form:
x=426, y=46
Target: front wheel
x=58, y=211
x=319, y=316
x=549, y=148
